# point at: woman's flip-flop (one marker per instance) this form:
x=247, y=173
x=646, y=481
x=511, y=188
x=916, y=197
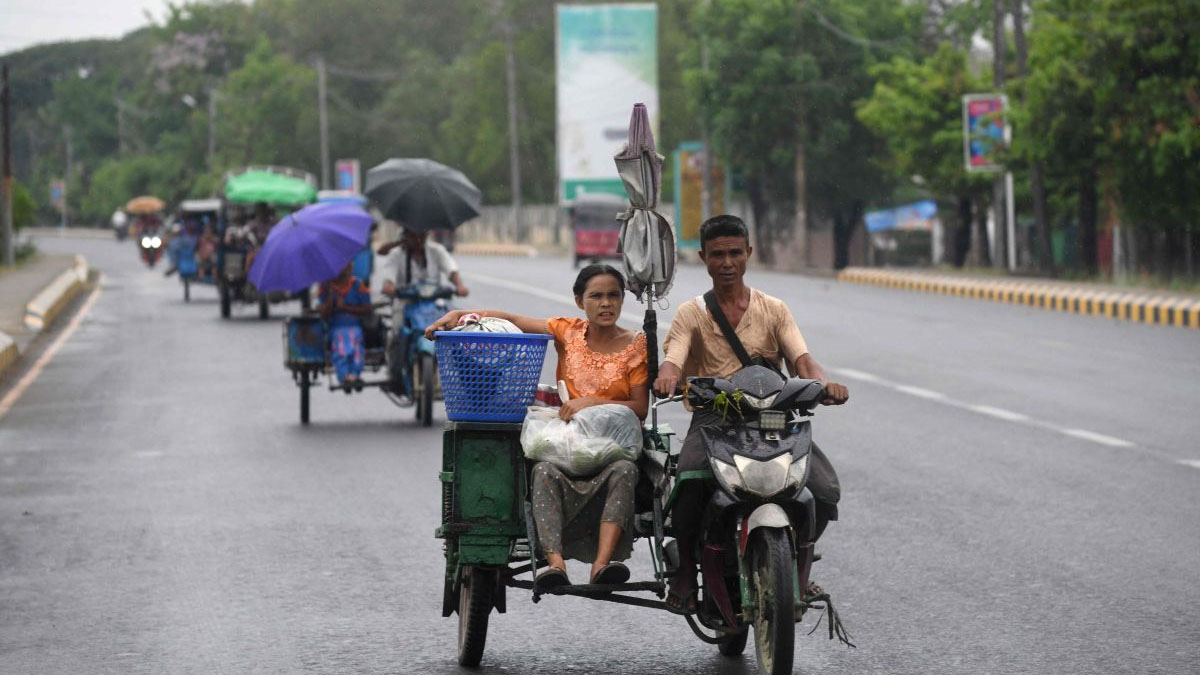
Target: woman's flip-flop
x=551, y=577
x=612, y=573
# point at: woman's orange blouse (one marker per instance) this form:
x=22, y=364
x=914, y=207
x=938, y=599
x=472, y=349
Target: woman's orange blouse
x=589, y=373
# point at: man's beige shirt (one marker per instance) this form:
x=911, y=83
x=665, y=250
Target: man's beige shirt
x=696, y=345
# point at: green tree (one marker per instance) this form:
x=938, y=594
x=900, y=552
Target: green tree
x=1110, y=108
x=24, y=208
x=268, y=113
x=916, y=107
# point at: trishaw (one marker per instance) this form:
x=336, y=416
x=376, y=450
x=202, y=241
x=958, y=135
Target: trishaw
x=756, y=551
x=280, y=188
x=411, y=374
x=597, y=231
x=194, y=247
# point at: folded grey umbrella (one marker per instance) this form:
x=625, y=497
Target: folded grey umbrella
x=422, y=194
x=647, y=238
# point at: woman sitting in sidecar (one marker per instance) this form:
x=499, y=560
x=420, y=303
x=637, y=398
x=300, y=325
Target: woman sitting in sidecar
x=587, y=518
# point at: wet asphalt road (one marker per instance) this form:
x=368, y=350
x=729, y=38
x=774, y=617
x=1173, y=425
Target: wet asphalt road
x=1017, y=498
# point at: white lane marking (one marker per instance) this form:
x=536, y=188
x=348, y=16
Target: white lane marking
x=1097, y=438
x=14, y=394
x=627, y=315
x=855, y=374
x=1194, y=463
x=1000, y=413
x=992, y=411
x=918, y=391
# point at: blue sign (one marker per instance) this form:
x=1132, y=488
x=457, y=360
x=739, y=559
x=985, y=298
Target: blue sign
x=917, y=216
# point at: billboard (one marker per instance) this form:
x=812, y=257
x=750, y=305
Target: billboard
x=606, y=59
x=984, y=131
x=916, y=216
x=689, y=189
x=58, y=192
x=346, y=172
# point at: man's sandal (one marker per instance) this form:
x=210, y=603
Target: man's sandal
x=682, y=604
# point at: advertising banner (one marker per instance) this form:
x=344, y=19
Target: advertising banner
x=606, y=59
x=916, y=216
x=689, y=192
x=984, y=132
x=346, y=173
x=58, y=190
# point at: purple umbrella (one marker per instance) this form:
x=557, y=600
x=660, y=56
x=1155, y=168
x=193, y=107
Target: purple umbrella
x=309, y=246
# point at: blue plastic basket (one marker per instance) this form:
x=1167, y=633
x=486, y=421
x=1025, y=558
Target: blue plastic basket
x=489, y=377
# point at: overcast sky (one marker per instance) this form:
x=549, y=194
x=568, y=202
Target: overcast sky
x=24, y=23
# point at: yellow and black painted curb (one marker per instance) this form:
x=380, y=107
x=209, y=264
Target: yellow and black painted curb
x=1167, y=310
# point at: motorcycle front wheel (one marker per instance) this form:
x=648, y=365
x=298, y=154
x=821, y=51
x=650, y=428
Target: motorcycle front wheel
x=772, y=568
x=423, y=385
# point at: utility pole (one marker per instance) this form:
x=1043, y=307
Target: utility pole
x=514, y=151
x=999, y=193
x=6, y=181
x=323, y=121
x=120, y=126
x=1037, y=183
x=706, y=176
x=212, y=128
x=797, y=249
x=67, y=180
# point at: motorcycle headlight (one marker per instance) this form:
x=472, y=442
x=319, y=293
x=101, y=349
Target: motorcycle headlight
x=155, y=242
x=760, y=403
x=727, y=475
x=763, y=478
x=145, y=242
x=798, y=472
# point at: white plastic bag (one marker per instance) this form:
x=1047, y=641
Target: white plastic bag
x=593, y=439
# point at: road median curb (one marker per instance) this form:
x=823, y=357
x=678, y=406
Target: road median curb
x=512, y=250
x=1167, y=310
x=51, y=300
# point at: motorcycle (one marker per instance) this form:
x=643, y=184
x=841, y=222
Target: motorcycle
x=412, y=357
x=150, y=246
x=759, y=525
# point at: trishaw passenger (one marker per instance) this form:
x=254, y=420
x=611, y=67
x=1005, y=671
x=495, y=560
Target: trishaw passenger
x=587, y=519
x=343, y=302
x=695, y=345
x=206, y=251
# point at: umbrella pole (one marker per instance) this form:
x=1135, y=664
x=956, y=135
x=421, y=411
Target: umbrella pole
x=650, y=328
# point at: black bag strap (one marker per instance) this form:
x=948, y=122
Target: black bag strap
x=739, y=350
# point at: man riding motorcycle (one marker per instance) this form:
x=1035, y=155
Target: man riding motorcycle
x=414, y=259
x=696, y=346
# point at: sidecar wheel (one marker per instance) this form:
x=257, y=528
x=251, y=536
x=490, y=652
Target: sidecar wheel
x=772, y=568
x=474, y=607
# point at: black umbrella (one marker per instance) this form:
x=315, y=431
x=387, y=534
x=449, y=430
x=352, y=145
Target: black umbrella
x=422, y=194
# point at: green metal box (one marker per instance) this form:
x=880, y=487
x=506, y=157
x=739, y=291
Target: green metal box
x=483, y=492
